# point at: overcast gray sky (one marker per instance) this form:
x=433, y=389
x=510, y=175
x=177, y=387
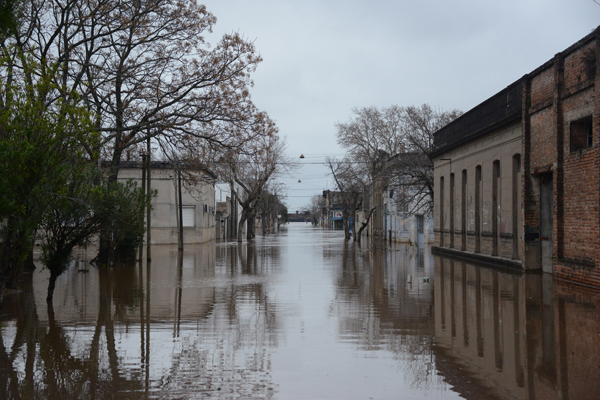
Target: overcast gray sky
x=322, y=58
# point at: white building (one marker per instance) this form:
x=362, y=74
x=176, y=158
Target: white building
x=405, y=222
x=198, y=202
x=403, y=207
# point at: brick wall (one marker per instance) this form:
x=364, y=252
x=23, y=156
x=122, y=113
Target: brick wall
x=578, y=261
x=543, y=138
x=554, y=166
x=580, y=68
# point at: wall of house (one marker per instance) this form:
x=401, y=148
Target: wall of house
x=403, y=226
x=562, y=174
x=554, y=179
x=480, y=217
x=164, y=210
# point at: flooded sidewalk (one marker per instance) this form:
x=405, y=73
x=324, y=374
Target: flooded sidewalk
x=300, y=314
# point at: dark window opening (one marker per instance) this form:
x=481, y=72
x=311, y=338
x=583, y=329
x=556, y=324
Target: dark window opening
x=581, y=134
x=420, y=224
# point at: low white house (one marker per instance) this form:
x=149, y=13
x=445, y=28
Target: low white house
x=405, y=222
x=198, y=202
x=402, y=206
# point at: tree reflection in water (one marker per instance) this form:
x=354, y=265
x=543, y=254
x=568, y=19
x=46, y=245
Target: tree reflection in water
x=49, y=362
x=224, y=320
x=384, y=303
x=220, y=316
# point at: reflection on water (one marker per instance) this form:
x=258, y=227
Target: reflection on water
x=508, y=336
x=300, y=314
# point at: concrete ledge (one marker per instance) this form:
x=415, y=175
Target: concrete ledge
x=492, y=261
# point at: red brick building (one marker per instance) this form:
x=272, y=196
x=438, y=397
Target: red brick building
x=517, y=178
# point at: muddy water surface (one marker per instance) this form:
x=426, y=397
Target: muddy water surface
x=299, y=315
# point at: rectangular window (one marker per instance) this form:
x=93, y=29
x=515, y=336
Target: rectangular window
x=188, y=216
x=581, y=134
x=420, y=224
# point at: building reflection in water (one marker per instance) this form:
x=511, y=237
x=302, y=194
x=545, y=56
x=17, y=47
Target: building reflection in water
x=478, y=331
x=208, y=323
x=503, y=335
x=181, y=324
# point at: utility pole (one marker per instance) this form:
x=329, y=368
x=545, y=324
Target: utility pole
x=144, y=203
x=180, y=212
x=149, y=223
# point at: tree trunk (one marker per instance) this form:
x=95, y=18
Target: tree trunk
x=5, y=266
x=51, y=286
x=346, y=229
x=104, y=246
x=364, y=225
x=265, y=223
x=243, y=219
x=251, y=226
x=29, y=264
x=353, y=221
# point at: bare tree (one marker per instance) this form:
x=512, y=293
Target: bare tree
x=315, y=208
x=370, y=131
x=412, y=171
x=394, y=145
x=146, y=70
x=250, y=171
x=351, y=184
x=269, y=205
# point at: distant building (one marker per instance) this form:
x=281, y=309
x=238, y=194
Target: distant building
x=517, y=178
x=198, y=201
x=402, y=209
x=229, y=211
x=333, y=210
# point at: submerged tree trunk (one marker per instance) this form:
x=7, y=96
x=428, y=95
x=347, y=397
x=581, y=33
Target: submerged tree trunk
x=353, y=222
x=251, y=225
x=51, y=286
x=346, y=223
x=243, y=219
x=104, y=247
x=5, y=267
x=29, y=264
x=10, y=267
x=364, y=225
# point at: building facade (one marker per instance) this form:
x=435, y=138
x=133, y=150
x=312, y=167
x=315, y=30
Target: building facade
x=333, y=210
x=517, y=178
x=229, y=211
x=402, y=208
x=198, y=203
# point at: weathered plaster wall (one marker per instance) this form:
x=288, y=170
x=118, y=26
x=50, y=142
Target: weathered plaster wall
x=500, y=146
x=164, y=211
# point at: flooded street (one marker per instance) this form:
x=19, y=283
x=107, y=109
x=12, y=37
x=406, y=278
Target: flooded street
x=300, y=315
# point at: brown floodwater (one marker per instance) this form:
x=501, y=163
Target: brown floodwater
x=299, y=314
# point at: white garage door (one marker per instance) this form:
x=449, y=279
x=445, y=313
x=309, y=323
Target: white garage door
x=188, y=215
